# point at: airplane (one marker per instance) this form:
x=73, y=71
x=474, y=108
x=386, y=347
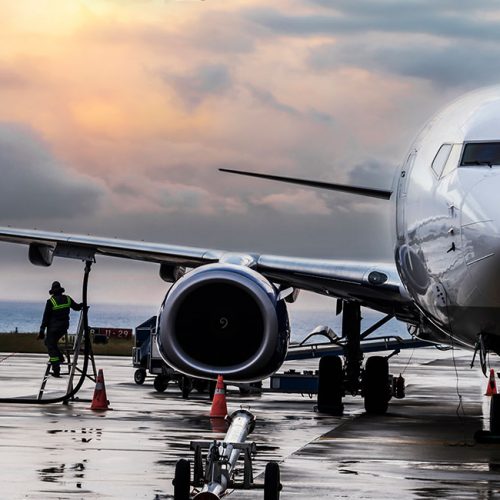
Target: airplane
x=226, y=312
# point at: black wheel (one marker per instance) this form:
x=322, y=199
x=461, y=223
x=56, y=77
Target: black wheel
x=245, y=390
x=272, y=485
x=200, y=385
x=330, y=390
x=495, y=414
x=376, y=390
x=186, y=386
x=161, y=383
x=140, y=376
x=182, y=480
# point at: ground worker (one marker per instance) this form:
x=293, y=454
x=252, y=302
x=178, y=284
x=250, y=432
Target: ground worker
x=56, y=321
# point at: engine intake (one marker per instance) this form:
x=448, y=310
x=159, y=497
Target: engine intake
x=224, y=319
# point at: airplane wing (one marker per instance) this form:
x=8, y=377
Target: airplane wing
x=374, y=285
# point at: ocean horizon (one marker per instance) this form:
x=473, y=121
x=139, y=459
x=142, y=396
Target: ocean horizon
x=25, y=317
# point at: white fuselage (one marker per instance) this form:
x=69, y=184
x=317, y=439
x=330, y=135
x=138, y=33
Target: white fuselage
x=448, y=220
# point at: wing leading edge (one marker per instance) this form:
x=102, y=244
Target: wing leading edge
x=374, y=285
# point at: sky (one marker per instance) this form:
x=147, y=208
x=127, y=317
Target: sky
x=116, y=114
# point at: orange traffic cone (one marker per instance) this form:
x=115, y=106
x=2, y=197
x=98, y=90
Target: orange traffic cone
x=219, y=406
x=491, y=388
x=100, y=401
x=219, y=425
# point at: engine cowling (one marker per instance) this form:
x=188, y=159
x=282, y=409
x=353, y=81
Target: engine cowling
x=224, y=319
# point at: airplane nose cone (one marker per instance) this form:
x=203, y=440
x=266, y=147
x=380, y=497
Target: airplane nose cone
x=480, y=233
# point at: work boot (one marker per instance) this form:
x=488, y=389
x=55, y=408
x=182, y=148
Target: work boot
x=56, y=370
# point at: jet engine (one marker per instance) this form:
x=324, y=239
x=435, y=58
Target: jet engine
x=224, y=319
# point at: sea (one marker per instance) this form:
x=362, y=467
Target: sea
x=25, y=317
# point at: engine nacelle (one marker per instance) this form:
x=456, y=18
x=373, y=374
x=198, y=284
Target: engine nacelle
x=224, y=319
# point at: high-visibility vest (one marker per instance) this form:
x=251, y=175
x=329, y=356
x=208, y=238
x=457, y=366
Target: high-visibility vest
x=57, y=307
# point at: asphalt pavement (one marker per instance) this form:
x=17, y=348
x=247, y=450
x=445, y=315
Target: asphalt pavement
x=423, y=447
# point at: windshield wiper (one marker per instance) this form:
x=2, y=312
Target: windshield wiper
x=478, y=162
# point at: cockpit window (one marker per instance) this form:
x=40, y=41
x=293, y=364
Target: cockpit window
x=481, y=153
x=440, y=159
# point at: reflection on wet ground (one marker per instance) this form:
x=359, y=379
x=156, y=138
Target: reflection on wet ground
x=421, y=449
x=59, y=473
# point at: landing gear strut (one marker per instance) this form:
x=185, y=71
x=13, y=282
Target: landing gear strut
x=351, y=331
x=337, y=379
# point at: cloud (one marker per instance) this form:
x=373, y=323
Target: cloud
x=163, y=93
x=299, y=202
x=372, y=173
x=205, y=81
x=210, y=30
x=223, y=32
x=448, y=65
x=443, y=19
x=268, y=100
x=449, y=43
x=10, y=78
x=35, y=185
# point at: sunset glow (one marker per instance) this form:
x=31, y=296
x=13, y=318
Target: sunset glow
x=129, y=107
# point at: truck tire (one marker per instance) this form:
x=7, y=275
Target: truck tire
x=140, y=376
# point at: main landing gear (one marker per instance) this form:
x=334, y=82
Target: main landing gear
x=373, y=382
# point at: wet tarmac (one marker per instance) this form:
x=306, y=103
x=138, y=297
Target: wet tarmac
x=423, y=448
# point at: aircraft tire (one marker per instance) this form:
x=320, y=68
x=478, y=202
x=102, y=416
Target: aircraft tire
x=160, y=383
x=376, y=388
x=272, y=484
x=330, y=389
x=140, y=376
x=495, y=414
x=182, y=478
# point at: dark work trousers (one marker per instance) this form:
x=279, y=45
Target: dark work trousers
x=51, y=340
